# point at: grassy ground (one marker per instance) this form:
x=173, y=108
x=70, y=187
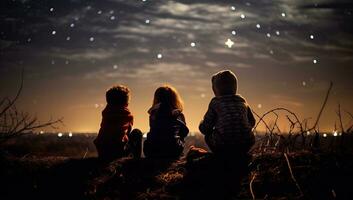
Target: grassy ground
x=302, y=175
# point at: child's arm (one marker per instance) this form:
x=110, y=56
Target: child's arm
x=184, y=129
x=129, y=128
x=251, y=117
x=207, y=124
x=252, y=123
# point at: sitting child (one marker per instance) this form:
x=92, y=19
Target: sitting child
x=115, y=138
x=228, y=122
x=167, y=125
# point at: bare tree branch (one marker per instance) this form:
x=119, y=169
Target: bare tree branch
x=340, y=118
x=14, y=123
x=12, y=102
x=322, y=107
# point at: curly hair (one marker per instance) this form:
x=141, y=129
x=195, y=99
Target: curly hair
x=168, y=95
x=118, y=95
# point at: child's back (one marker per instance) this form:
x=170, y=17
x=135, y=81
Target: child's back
x=167, y=125
x=228, y=122
x=116, y=123
x=233, y=124
x=115, y=138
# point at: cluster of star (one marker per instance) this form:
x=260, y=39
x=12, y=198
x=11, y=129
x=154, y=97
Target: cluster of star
x=229, y=42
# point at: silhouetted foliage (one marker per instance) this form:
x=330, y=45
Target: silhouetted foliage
x=15, y=123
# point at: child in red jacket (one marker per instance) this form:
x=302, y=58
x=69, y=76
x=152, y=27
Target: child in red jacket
x=115, y=138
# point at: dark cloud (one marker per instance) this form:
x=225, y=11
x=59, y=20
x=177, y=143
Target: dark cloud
x=93, y=36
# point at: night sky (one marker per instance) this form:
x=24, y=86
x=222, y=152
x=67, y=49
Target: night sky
x=285, y=54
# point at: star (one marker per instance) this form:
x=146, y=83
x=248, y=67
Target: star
x=229, y=43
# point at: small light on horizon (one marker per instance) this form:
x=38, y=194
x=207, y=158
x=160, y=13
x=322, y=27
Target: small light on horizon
x=325, y=135
x=312, y=37
x=308, y=133
x=112, y=17
x=147, y=21
x=234, y=32
x=41, y=132
x=53, y=32
x=258, y=26
x=68, y=38
x=192, y=44
x=268, y=35
x=72, y=25
x=304, y=83
x=60, y=134
x=315, y=61
x=70, y=134
x=99, y=12
x=91, y=39
x=159, y=56
x=242, y=16
x=277, y=33
x=232, y=8
x=115, y=66
x=283, y=14
x=51, y=9
x=335, y=133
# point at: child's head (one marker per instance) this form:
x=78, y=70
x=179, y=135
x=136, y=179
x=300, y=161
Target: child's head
x=168, y=95
x=224, y=83
x=118, y=95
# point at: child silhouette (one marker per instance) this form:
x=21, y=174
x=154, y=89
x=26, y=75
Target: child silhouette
x=115, y=138
x=228, y=122
x=167, y=125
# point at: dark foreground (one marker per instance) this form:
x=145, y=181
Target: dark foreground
x=315, y=176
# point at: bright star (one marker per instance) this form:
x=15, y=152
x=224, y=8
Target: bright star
x=229, y=43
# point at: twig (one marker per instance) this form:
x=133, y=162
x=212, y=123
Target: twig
x=84, y=156
x=322, y=107
x=350, y=114
x=261, y=120
x=282, y=109
x=340, y=118
x=292, y=175
x=12, y=102
x=251, y=186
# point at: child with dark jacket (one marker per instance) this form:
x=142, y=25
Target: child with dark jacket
x=228, y=122
x=115, y=138
x=167, y=125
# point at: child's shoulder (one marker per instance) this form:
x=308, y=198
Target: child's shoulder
x=233, y=97
x=114, y=110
